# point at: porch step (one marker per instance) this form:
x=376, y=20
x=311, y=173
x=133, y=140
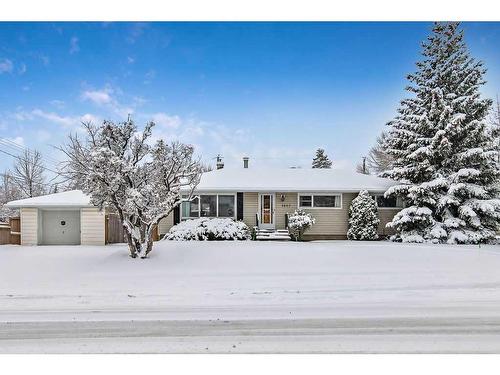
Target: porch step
x=271, y=234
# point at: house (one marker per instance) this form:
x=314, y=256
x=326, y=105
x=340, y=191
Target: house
x=65, y=218
x=260, y=197
x=263, y=198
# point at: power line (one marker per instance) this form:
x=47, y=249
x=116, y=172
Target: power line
x=43, y=167
x=18, y=147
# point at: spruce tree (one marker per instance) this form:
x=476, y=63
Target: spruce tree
x=363, y=218
x=321, y=159
x=441, y=148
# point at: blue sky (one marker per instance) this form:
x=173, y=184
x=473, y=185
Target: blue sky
x=272, y=91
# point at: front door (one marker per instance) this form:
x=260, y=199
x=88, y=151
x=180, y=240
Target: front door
x=266, y=204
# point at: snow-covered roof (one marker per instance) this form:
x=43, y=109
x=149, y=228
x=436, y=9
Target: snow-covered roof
x=291, y=180
x=72, y=198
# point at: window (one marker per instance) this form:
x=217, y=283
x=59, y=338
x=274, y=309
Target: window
x=214, y=205
x=208, y=205
x=190, y=208
x=326, y=201
x=226, y=205
x=391, y=202
x=320, y=201
x=305, y=201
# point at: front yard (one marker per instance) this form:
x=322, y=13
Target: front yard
x=248, y=280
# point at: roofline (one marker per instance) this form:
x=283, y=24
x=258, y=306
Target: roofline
x=48, y=205
x=280, y=190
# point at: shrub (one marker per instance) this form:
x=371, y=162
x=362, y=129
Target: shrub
x=363, y=218
x=209, y=229
x=298, y=223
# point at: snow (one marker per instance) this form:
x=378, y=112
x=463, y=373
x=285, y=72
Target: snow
x=204, y=229
x=248, y=280
x=290, y=180
x=72, y=198
x=246, y=296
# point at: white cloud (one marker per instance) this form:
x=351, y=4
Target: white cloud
x=55, y=118
x=149, y=76
x=74, y=47
x=45, y=59
x=17, y=140
x=135, y=32
x=165, y=120
x=6, y=66
x=43, y=135
x=57, y=103
x=99, y=97
x=130, y=60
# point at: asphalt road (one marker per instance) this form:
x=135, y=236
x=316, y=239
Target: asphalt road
x=387, y=335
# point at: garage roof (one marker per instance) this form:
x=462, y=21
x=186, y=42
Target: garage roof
x=72, y=198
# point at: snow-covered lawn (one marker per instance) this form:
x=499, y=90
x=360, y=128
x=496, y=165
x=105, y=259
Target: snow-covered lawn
x=249, y=280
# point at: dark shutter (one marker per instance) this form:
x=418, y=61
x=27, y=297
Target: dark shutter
x=177, y=214
x=239, y=206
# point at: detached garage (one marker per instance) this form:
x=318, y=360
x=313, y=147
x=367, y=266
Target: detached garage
x=65, y=218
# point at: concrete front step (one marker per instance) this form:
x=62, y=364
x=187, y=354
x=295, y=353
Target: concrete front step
x=271, y=234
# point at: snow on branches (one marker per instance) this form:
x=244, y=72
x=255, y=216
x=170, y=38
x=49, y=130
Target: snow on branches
x=116, y=165
x=298, y=223
x=363, y=218
x=442, y=148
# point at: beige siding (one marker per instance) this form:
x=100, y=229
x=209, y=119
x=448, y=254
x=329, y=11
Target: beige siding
x=289, y=205
x=29, y=226
x=92, y=223
x=165, y=224
x=250, y=208
x=331, y=221
x=385, y=215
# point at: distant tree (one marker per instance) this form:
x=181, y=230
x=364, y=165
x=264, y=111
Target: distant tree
x=362, y=167
x=28, y=174
x=379, y=160
x=117, y=167
x=9, y=191
x=321, y=160
x=363, y=218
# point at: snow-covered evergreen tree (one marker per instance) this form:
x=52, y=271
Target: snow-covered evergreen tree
x=363, y=218
x=441, y=148
x=321, y=160
x=118, y=168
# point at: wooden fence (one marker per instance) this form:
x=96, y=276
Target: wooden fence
x=115, y=232
x=11, y=233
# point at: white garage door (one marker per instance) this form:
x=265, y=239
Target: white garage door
x=61, y=227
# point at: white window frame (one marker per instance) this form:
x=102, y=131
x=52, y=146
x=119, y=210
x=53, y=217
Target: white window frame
x=216, y=206
x=340, y=195
x=399, y=202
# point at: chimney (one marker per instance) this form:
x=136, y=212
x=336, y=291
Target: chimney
x=220, y=163
x=245, y=161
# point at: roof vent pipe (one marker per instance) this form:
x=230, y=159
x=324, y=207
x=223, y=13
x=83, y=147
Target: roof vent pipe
x=245, y=161
x=220, y=163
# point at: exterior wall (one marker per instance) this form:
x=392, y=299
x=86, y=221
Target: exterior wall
x=93, y=225
x=289, y=205
x=250, y=208
x=29, y=226
x=165, y=224
x=385, y=215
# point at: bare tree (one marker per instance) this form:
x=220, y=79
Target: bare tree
x=361, y=167
x=8, y=192
x=28, y=174
x=117, y=167
x=378, y=159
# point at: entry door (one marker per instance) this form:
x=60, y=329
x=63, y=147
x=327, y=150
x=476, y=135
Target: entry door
x=267, y=211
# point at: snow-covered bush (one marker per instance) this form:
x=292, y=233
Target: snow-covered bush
x=209, y=229
x=298, y=223
x=363, y=218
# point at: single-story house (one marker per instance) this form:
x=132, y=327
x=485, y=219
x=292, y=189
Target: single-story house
x=263, y=198
x=260, y=197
